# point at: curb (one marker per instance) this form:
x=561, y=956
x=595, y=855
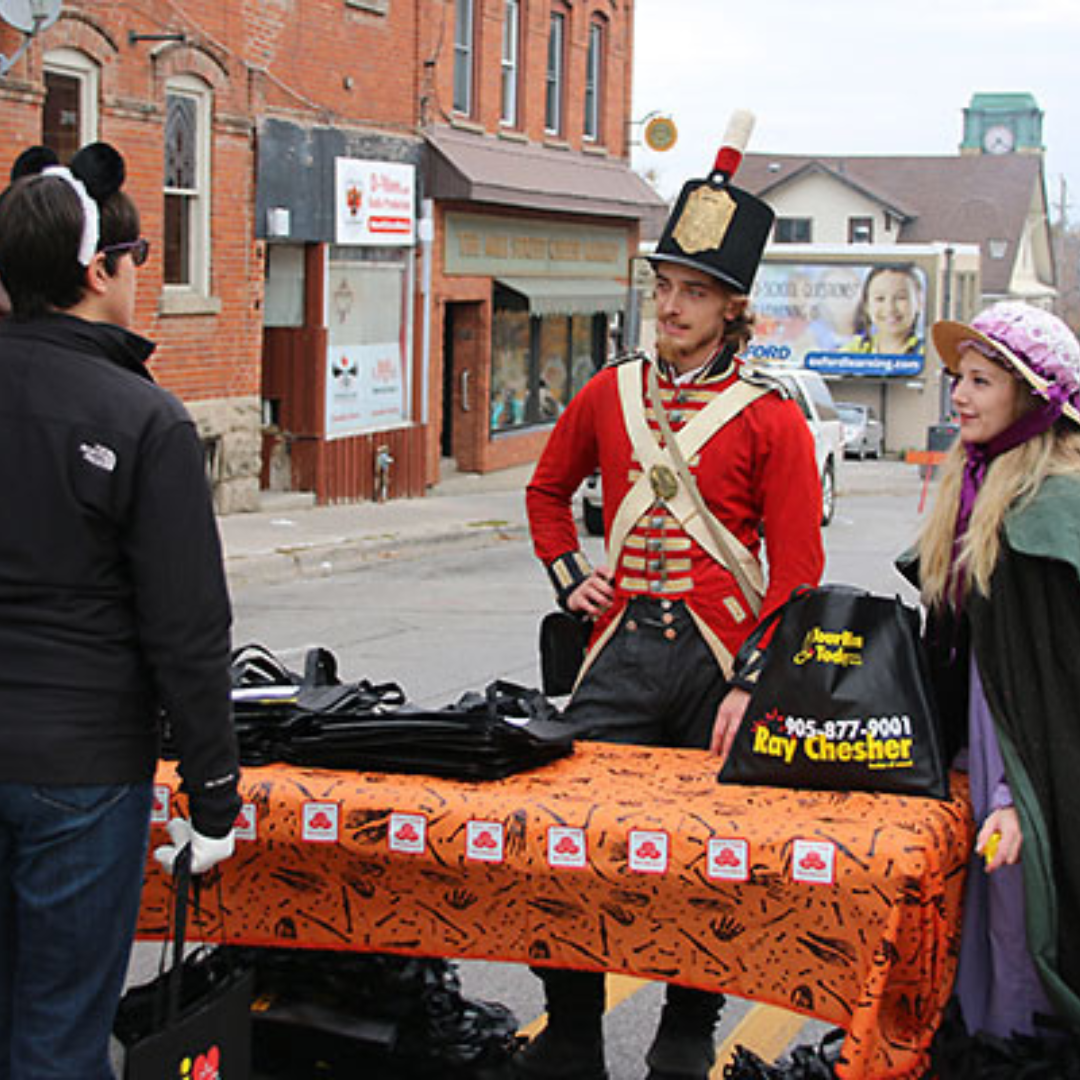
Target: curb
x=320, y=559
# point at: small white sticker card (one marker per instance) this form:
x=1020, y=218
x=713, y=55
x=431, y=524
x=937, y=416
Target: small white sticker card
x=408, y=833
x=566, y=847
x=321, y=822
x=649, y=851
x=245, y=823
x=484, y=841
x=159, y=814
x=728, y=859
x=814, y=862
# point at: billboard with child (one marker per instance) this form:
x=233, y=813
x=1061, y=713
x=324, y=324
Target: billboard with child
x=841, y=318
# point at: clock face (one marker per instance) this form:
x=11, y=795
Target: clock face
x=998, y=139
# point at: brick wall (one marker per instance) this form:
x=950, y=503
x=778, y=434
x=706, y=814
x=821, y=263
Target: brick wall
x=617, y=20
x=322, y=62
x=327, y=62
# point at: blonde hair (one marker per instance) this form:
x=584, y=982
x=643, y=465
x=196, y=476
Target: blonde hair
x=1012, y=480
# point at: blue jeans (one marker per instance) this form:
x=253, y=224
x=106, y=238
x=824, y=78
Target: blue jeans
x=71, y=870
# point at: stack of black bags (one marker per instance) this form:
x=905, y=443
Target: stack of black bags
x=314, y=719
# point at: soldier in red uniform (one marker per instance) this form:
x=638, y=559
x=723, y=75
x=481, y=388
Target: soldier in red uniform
x=683, y=585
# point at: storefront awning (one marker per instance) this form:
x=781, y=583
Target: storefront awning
x=568, y=296
x=468, y=167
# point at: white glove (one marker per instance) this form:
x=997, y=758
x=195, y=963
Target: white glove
x=206, y=851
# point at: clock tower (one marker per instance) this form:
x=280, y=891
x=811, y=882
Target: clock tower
x=1002, y=124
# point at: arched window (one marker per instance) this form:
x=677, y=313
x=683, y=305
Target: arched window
x=186, y=239
x=69, y=118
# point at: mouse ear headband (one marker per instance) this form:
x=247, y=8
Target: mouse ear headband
x=96, y=173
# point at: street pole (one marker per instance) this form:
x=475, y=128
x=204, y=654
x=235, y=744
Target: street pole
x=944, y=398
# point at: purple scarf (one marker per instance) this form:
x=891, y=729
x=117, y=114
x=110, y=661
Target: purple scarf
x=979, y=456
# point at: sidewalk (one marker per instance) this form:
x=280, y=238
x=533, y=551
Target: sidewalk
x=291, y=538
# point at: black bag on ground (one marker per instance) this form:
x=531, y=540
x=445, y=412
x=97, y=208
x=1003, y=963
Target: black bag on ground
x=843, y=700
x=198, y=1011
x=809, y=1062
x=564, y=639
x=337, y=1014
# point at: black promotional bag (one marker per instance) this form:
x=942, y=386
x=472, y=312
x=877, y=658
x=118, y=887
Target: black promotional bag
x=193, y=1022
x=564, y=640
x=842, y=700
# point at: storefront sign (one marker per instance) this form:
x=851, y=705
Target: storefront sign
x=841, y=318
x=374, y=202
x=364, y=388
x=494, y=247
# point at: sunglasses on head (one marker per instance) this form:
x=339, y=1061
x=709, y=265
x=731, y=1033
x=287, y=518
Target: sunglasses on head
x=138, y=249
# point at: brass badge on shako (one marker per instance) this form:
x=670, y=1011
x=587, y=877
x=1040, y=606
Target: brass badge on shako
x=665, y=483
x=704, y=222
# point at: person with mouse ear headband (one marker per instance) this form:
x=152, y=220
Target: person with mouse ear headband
x=998, y=565
x=114, y=614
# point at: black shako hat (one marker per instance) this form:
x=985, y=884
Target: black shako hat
x=715, y=227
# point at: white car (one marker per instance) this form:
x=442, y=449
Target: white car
x=863, y=434
x=811, y=393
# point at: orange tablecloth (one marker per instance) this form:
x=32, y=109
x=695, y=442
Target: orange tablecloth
x=625, y=859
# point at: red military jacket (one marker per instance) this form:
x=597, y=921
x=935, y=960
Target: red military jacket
x=757, y=475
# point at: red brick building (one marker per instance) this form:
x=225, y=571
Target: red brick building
x=384, y=231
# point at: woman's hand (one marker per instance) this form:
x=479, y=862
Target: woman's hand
x=594, y=595
x=1005, y=851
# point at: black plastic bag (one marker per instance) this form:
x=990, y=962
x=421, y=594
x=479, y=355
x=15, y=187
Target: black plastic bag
x=843, y=700
x=331, y=1014
x=811, y=1062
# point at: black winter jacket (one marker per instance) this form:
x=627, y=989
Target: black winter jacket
x=113, y=602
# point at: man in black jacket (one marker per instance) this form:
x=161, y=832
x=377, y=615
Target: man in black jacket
x=113, y=611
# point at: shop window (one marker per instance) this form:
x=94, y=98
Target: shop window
x=186, y=227
x=511, y=45
x=69, y=114
x=369, y=340
x=594, y=71
x=792, y=231
x=539, y=363
x=463, y=56
x=556, y=61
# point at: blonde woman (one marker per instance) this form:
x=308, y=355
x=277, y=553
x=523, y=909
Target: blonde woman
x=999, y=570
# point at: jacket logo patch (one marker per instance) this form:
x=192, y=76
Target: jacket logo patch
x=101, y=457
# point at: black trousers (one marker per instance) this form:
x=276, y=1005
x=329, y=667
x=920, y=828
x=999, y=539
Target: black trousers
x=655, y=683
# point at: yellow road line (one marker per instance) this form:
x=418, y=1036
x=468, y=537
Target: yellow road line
x=765, y=1029
x=619, y=988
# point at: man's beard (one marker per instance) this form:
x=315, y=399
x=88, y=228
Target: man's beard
x=673, y=351
x=669, y=350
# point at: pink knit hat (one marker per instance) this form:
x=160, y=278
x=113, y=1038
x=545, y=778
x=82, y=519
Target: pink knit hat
x=1037, y=345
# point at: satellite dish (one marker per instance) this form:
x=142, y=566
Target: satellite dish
x=30, y=16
